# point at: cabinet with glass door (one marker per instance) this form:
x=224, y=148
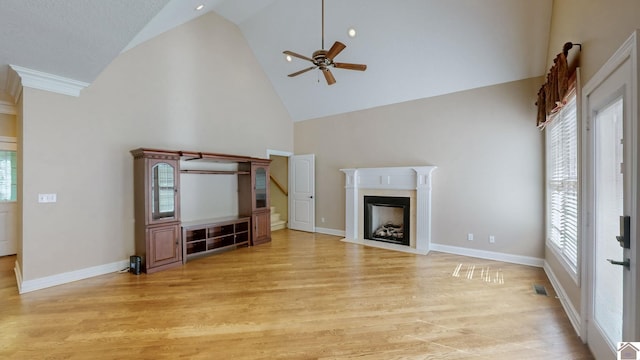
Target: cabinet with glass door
x=253, y=196
x=157, y=210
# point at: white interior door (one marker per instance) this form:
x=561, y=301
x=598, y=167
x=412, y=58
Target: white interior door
x=610, y=104
x=302, y=200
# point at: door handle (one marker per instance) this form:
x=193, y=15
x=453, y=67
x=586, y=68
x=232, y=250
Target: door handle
x=624, y=239
x=310, y=197
x=626, y=263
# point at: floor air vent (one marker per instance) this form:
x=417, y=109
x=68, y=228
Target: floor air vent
x=540, y=290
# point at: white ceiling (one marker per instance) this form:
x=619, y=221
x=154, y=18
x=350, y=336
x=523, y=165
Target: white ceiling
x=413, y=48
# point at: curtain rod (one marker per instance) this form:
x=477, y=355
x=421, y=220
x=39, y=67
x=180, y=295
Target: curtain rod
x=568, y=46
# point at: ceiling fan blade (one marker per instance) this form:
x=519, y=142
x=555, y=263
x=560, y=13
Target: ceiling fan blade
x=359, y=67
x=297, y=55
x=328, y=76
x=335, y=50
x=301, y=71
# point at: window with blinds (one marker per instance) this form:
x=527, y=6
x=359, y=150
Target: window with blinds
x=562, y=183
x=8, y=176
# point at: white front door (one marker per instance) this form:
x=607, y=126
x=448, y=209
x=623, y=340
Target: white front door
x=302, y=201
x=610, y=107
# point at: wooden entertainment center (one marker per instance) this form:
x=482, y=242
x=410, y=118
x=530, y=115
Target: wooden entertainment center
x=162, y=240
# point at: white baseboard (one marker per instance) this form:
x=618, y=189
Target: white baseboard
x=25, y=286
x=330, y=231
x=574, y=316
x=489, y=255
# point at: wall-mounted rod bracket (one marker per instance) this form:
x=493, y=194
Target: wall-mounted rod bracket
x=568, y=46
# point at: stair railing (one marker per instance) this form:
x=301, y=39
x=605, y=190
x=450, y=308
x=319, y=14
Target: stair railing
x=279, y=186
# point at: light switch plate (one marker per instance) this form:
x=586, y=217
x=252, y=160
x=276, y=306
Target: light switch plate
x=47, y=198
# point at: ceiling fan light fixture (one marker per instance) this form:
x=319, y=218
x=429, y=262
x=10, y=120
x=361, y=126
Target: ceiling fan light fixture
x=289, y=58
x=199, y=7
x=352, y=32
x=323, y=59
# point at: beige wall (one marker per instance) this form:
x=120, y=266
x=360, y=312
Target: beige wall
x=20, y=187
x=487, y=148
x=7, y=125
x=601, y=27
x=197, y=87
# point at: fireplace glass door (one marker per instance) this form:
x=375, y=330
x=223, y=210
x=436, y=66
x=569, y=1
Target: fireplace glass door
x=386, y=218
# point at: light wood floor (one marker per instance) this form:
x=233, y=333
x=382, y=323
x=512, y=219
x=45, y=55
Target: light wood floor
x=302, y=296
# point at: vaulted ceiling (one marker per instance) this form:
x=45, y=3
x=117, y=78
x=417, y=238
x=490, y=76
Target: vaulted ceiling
x=413, y=48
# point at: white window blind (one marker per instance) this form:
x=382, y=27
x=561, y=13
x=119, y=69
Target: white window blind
x=8, y=175
x=562, y=183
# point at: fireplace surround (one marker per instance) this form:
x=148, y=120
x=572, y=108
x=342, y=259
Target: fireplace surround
x=412, y=181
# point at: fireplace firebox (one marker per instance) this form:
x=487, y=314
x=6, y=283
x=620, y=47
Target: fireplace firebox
x=386, y=218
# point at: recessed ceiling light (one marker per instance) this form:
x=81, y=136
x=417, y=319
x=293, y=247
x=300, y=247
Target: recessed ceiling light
x=199, y=7
x=289, y=58
x=351, y=32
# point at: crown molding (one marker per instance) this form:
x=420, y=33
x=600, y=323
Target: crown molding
x=7, y=108
x=13, y=87
x=48, y=82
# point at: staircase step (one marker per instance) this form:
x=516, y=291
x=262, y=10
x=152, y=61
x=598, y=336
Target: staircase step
x=275, y=217
x=276, y=222
x=278, y=225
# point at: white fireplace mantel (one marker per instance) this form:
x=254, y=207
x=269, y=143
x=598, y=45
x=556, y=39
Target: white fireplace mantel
x=413, y=178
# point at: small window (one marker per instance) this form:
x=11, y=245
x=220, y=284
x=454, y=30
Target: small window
x=8, y=175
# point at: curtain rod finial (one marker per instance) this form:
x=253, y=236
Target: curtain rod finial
x=568, y=46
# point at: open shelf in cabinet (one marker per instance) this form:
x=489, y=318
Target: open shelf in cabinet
x=213, y=235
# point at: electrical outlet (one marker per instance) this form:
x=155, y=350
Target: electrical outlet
x=322, y=220
x=492, y=239
x=470, y=236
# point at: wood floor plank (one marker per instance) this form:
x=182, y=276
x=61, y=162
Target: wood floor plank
x=302, y=296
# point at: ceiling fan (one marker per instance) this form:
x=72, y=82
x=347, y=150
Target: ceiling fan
x=323, y=59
